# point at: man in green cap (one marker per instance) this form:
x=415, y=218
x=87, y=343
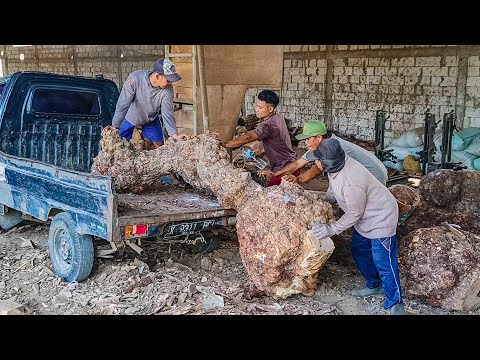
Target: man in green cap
x=314, y=131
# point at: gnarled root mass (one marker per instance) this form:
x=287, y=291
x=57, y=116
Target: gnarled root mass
x=272, y=223
x=276, y=249
x=452, y=190
x=437, y=265
x=441, y=268
x=405, y=196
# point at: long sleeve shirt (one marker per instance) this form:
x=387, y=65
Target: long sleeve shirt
x=139, y=102
x=368, y=205
x=364, y=157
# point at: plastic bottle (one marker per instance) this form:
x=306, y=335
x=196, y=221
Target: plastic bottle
x=250, y=155
x=259, y=163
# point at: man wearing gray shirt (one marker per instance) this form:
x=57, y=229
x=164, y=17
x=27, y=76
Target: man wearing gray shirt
x=143, y=96
x=314, y=132
x=373, y=212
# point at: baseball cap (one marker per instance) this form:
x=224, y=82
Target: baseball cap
x=331, y=155
x=166, y=68
x=312, y=128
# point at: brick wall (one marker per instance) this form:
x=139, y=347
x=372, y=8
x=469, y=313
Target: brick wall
x=346, y=84
x=115, y=62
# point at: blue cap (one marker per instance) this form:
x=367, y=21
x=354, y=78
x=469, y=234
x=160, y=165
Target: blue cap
x=166, y=68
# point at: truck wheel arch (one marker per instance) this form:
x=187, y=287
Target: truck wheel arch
x=54, y=211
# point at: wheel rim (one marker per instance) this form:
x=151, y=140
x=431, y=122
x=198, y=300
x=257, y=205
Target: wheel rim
x=63, y=249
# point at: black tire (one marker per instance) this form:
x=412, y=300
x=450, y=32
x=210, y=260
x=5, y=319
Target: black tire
x=11, y=218
x=212, y=242
x=71, y=254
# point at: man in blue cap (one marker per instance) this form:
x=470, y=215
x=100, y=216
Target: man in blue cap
x=373, y=212
x=144, y=95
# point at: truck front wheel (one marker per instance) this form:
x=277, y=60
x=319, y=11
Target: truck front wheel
x=71, y=254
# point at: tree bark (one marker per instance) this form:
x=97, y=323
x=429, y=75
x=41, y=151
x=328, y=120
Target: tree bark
x=405, y=196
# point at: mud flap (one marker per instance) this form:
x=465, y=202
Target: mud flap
x=10, y=218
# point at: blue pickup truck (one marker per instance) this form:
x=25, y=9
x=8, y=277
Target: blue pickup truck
x=50, y=131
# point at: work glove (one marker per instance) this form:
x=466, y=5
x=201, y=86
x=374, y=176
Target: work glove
x=322, y=231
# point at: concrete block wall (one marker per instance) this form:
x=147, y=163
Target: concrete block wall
x=115, y=62
x=303, y=90
x=346, y=84
x=250, y=100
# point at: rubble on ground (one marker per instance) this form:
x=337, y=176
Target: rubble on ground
x=168, y=281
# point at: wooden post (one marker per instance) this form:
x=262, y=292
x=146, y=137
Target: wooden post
x=203, y=86
x=194, y=89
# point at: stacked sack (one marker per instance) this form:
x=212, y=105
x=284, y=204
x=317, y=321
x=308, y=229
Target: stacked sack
x=465, y=147
x=407, y=146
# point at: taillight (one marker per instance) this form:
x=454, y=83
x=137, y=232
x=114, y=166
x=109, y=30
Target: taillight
x=140, y=229
x=136, y=230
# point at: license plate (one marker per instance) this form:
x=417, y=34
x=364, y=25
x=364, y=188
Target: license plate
x=189, y=228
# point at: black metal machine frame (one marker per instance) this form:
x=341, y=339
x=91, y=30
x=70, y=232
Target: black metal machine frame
x=380, y=153
x=448, y=127
x=426, y=155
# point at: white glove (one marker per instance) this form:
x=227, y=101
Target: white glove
x=322, y=231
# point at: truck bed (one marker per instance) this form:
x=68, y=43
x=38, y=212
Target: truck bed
x=168, y=203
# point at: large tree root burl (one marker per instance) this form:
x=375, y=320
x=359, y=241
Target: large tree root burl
x=441, y=268
x=272, y=223
x=437, y=265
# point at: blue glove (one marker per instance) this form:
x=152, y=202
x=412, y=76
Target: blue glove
x=322, y=231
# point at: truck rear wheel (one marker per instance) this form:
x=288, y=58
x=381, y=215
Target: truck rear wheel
x=11, y=218
x=71, y=254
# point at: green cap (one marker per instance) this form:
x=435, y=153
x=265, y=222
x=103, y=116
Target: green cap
x=312, y=128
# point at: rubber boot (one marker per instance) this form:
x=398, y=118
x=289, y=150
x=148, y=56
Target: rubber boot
x=368, y=292
x=397, y=309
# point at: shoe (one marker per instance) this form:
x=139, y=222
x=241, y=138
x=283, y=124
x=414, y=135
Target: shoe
x=397, y=309
x=368, y=292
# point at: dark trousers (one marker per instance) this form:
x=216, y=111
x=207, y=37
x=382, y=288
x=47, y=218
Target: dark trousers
x=377, y=260
x=276, y=180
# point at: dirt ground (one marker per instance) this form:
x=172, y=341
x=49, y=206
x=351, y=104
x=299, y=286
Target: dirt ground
x=169, y=280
